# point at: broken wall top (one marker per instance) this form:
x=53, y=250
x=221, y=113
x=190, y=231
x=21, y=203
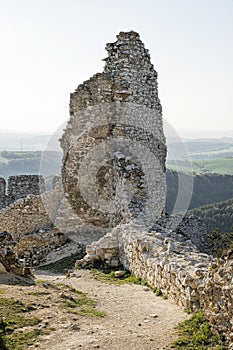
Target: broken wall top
x=128, y=76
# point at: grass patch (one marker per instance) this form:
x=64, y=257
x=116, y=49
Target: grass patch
x=158, y=292
x=219, y=166
x=197, y=334
x=80, y=304
x=38, y=293
x=21, y=340
x=73, y=300
x=13, y=317
x=109, y=277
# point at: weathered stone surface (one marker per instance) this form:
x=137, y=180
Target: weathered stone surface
x=187, y=228
x=9, y=260
x=114, y=146
x=119, y=273
x=24, y=216
x=2, y=193
x=20, y=186
x=2, y=268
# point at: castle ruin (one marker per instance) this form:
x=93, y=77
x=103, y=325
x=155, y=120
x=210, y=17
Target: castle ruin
x=113, y=180
x=114, y=147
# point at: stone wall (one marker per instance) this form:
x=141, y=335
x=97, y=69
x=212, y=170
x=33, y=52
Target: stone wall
x=114, y=149
x=20, y=186
x=29, y=214
x=2, y=192
x=171, y=263
x=24, y=216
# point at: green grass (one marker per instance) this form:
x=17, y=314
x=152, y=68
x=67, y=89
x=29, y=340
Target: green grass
x=219, y=166
x=183, y=166
x=21, y=340
x=214, y=151
x=13, y=317
x=197, y=334
x=79, y=303
x=82, y=306
x=109, y=277
x=74, y=301
x=37, y=293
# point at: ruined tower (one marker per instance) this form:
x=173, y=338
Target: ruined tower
x=114, y=148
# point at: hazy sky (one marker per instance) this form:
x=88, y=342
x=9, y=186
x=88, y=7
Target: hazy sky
x=48, y=47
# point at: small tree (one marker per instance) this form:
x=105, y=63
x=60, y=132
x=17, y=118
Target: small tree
x=219, y=242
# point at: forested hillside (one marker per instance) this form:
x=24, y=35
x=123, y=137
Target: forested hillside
x=207, y=189
x=216, y=215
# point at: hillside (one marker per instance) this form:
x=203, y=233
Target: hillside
x=203, y=165
x=207, y=189
x=216, y=215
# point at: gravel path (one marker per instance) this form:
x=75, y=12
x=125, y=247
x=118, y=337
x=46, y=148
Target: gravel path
x=135, y=318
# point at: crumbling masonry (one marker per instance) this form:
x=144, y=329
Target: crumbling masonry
x=19, y=186
x=114, y=147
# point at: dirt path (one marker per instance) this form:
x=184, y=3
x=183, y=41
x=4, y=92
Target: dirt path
x=135, y=318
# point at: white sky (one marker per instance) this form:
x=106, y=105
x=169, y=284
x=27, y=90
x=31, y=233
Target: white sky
x=48, y=47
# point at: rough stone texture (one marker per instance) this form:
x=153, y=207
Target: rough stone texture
x=114, y=149
x=21, y=186
x=24, y=216
x=2, y=268
x=216, y=295
x=34, y=249
x=194, y=229
x=191, y=227
x=8, y=257
x=18, y=187
x=171, y=263
x=2, y=193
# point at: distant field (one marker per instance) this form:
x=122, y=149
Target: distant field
x=202, y=166
x=219, y=151
x=182, y=165
x=219, y=166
